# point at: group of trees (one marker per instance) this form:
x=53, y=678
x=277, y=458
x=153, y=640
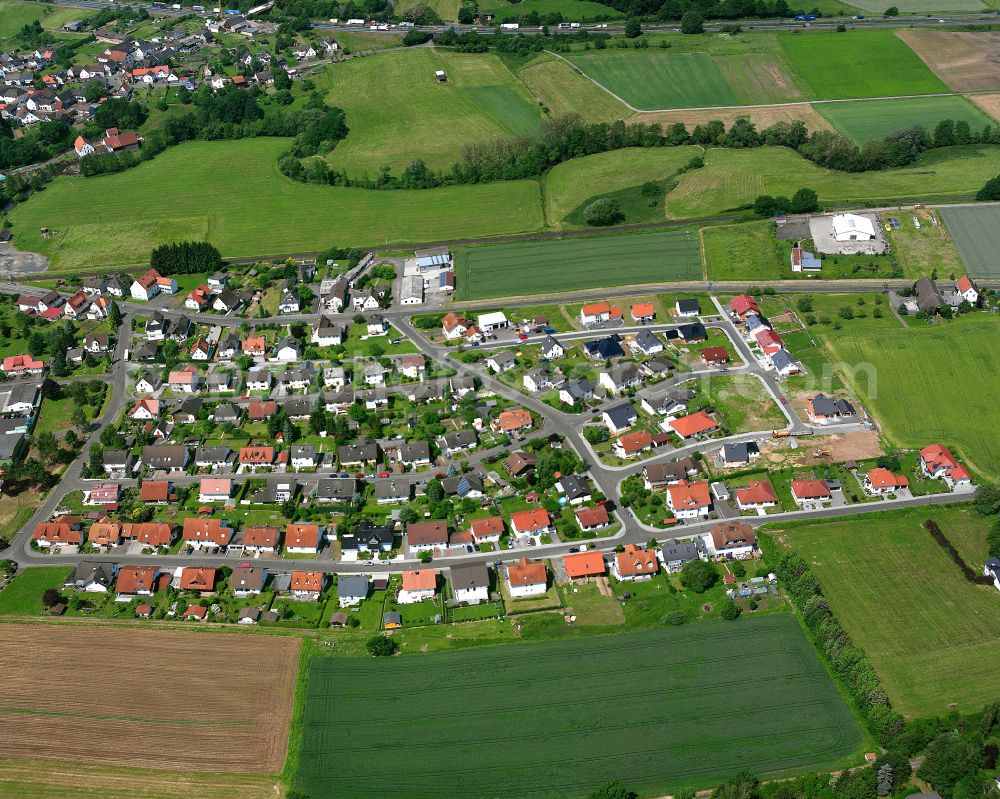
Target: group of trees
x=40, y=142
x=804, y=201
x=185, y=258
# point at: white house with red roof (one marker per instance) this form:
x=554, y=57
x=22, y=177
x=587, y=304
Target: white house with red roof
x=146, y=286
x=689, y=500
x=743, y=305
x=598, y=312
x=882, y=481
x=758, y=495
x=967, y=290
x=811, y=491
x=937, y=461
x=22, y=365
x=531, y=523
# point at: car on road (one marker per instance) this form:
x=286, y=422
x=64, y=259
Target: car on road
x=368, y=563
x=383, y=474
x=521, y=337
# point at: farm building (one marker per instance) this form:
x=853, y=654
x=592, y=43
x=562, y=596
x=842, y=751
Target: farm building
x=852, y=227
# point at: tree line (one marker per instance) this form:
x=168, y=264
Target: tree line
x=185, y=258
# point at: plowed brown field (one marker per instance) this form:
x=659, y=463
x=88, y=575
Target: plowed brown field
x=147, y=699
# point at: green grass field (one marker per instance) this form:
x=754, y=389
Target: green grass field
x=895, y=368
x=558, y=718
x=568, y=184
x=933, y=638
x=540, y=267
x=657, y=79
x=232, y=194
x=742, y=252
x=562, y=89
x=14, y=16
x=733, y=178
x=23, y=595
x=860, y=63
x=873, y=119
x=924, y=6
x=398, y=112
x=976, y=232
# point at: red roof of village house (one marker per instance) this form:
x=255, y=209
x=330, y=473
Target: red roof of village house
x=421, y=534
x=195, y=612
x=600, y=308
x=693, y=423
x=132, y=579
x=18, y=363
x=194, y=578
x=256, y=455
x=883, y=478
x=210, y=530
x=57, y=533
x=154, y=534
x=514, y=419
x=215, y=486
x=810, y=489
x=689, y=496
x=149, y=404
x=105, y=532
x=307, y=581
x=769, y=339
x=451, y=320
x=526, y=572
x=728, y=533
x=757, y=492
x=591, y=517
x=420, y=580
x=964, y=284
x=635, y=561
x=260, y=535
x=643, y=310
x=302, y=535
x=584, y=564
x=481, y=528
x=254, y=344
x=148, y=279
x=528, y=521
x=635, y=442
x=261, y=410
x=715, y=355
x=155, y=490
x=183, y=377
x=744, y=304
x=937, y=456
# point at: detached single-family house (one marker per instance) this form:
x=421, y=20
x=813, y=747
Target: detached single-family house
x=936, y=461
x=531, y=523
x=470, y=583
x=689, y=500
x=352, y=589
x=418, y=585
x=635, y=564
x=732, y=540
x=880, y=481
x=757, y=495
x=526, y=578
x=810, y=491
x=307, y=586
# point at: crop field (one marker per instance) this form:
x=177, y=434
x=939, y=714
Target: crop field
x=540, y=267
x=558, y=718
x=762, y=116
x=731, y=178
x=232, y=194
x=890, y=369
x=976, y=231
x=38, y=779
x=654, y=79
x=398, y=112
x=758, y=78
x=572, y=182
x=561, y=89
x=860, y=63
x=933, y=638
x=988, y=103
x=963, y=60
x=168, y=708
x=572, y=10
x=873, y=119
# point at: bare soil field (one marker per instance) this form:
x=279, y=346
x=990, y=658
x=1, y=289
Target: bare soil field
x=989, y=104
x=965, y=61
x=147, y=699
x=846, y=447
x=763, y=117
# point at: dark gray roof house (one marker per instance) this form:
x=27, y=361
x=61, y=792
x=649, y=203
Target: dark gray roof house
x=369, y=537
x=621, y=416
x=389, y=489
x=336, y=489
x=929, y=299
x=574, y=487
x=740, y=453
x=91, y=573
x=351, y=586
x=605, y=348
x=165, y=456
x=825, y=406
x=470, y=576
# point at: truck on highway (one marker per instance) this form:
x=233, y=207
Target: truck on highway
x=198, y=9
x=355, y=22
x=805, y=17
x=509, y=26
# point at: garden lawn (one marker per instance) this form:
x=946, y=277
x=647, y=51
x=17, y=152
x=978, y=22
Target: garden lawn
x=742, y=252
x=859, y=63
x=232, y=194
x=933, y=638
x=655, y=79
x=538, y=267
x=23, y=594
x=925, y=384
x=398, y=112
x=571, y=183
x=557, y=695
x=876, y=119
x=734, y=178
